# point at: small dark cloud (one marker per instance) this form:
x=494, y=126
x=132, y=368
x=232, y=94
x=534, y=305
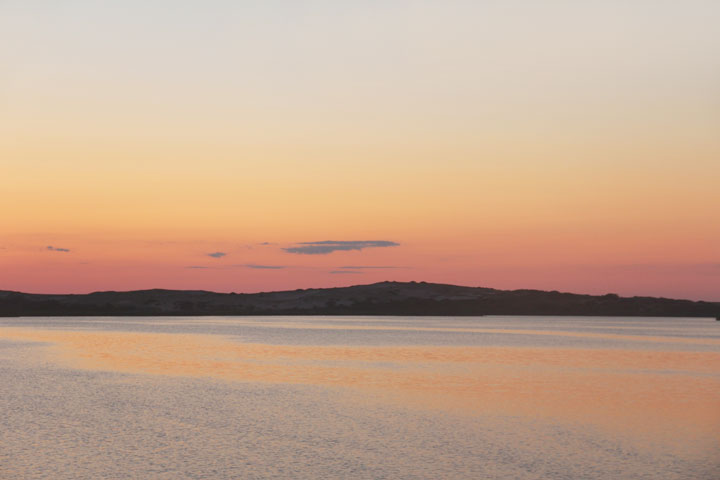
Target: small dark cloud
x=216, y=254
x=328, y=246
x=267, y=243
x=57, y=249
x=343, y=272
x=264, y=267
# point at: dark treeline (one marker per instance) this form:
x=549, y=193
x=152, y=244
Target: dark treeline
x=385, y=298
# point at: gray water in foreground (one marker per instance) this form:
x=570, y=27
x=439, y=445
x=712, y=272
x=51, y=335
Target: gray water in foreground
x=359, y=397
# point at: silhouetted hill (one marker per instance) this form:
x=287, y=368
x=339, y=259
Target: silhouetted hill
x=385, y=298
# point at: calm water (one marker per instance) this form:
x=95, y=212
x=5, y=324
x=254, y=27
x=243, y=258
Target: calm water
x=359, y=397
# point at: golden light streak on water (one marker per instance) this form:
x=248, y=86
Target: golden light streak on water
x=636, y=392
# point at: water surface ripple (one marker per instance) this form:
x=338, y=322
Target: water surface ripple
x=359, y=397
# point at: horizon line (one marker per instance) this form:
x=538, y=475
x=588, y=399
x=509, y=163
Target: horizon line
x=352, y=286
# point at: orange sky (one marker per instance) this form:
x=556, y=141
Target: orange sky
x=511, y=145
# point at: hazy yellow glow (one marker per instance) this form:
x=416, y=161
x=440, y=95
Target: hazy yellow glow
x=565, y=146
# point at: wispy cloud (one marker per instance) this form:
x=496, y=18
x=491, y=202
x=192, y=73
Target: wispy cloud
x=709, y=268
x=244, y=265
x=328, y=246
x=57, y=249
x=343, y=272
x=369, y=267
x=217, y=254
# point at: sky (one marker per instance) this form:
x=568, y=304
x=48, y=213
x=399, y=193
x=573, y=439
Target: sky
x=254, y=146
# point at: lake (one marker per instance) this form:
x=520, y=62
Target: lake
x=359, y=397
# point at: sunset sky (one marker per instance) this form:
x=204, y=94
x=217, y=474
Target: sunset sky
x=252, y=146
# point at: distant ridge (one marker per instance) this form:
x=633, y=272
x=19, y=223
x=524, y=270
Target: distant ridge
x=384, y=298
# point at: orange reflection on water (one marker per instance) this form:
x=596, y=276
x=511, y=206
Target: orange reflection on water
x=504, y=331
x=671, y=392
